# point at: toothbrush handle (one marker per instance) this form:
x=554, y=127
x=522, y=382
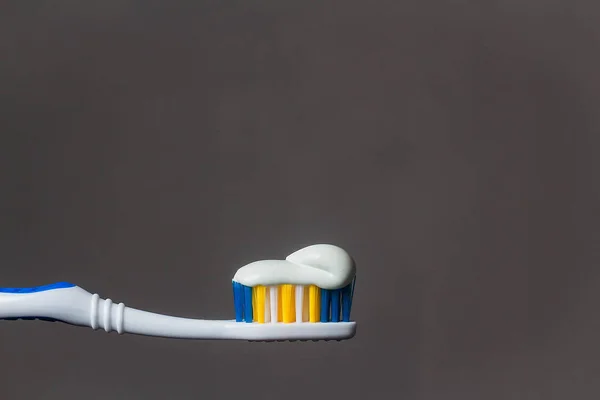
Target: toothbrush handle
x=62, y=302
x=65, y=302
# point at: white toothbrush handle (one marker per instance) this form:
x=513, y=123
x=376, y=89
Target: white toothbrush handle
x=71, y=304
x=76, y=306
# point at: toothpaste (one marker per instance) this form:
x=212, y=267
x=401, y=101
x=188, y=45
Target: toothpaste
x=323, y=265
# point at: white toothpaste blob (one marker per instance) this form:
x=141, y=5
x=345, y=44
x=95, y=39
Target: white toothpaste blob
x=323, y=265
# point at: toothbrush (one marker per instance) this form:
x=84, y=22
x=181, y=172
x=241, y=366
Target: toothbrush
x=307, y=296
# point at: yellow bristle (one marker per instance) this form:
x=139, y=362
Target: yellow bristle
x=292, y=305
x=267, y=307
x=279, y=304
x=259, y=293
x=314, y=303
x=305, y=306
x=288, y=297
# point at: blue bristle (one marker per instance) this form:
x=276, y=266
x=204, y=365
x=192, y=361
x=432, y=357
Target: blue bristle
x=335, y=305
x=347, y=302
x=352, y=291
x=238, y=298
x=248, y=303
x=235, y=300
x=325, y=296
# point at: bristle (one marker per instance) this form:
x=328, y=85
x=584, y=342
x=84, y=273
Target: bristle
x=288, y=296
x=289, y=303
x=274, y=300
x=314, y=303
x=259, y=303
x=248, y=304
x=254, y=313
x=238, y=299
x=325, y=303
x=267, y=305
x=299, y=302
x=352, y=290
x=346, y=302
x=305, y=304
x=279, y=304
x=335, y=305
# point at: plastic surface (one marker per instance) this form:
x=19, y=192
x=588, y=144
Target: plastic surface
x=77, y=306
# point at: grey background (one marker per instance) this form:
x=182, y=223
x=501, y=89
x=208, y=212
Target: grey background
x=148, y=149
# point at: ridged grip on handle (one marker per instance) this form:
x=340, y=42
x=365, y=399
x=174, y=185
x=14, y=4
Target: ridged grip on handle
x=70, y=304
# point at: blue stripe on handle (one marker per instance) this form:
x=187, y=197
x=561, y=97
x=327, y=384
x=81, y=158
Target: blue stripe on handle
x=58, y=285
x=47, y=319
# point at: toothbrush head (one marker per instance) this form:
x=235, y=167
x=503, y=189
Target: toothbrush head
x=314, y=285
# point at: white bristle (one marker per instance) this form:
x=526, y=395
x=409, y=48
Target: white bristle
x=299, y=302
x=273, y=302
